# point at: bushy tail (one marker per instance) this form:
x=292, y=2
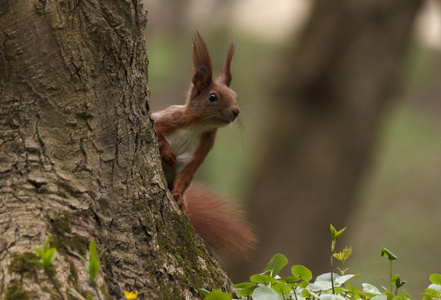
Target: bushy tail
x=220, y=224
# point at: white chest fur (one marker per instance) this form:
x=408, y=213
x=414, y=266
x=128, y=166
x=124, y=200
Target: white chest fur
x=184, y=143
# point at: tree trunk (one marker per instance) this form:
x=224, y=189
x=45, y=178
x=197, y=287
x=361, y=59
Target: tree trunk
x=329, y=98
x=79, y=159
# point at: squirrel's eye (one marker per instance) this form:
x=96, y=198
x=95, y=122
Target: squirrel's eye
x=212, y=97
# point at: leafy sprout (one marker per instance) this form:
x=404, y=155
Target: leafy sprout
x=343, y=256
x=92, y=265
x=47, y=255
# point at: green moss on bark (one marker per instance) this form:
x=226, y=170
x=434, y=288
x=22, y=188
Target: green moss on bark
x=73, y=275
x=23, y=265
x=187, y=259
x=15, y=291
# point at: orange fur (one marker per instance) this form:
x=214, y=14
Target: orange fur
x=186, y=134
x=199, y=111
x=218, y=222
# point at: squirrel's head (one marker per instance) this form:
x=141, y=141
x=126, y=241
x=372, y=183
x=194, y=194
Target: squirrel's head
x=212, y=101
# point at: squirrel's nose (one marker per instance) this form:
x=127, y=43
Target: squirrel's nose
x=235, y=111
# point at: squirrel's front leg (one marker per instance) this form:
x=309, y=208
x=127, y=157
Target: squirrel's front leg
x=183, y=180
x=165, y=150
x=185, y=176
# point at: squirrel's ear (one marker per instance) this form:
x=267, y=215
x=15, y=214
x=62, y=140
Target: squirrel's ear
x=202, y=75
x=226, y=68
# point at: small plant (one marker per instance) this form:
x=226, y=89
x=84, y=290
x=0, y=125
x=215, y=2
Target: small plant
x=343, y=256
x=47, y=256
x=391, y=257
x=335, y=237
x=92, y=265
x=268, y=285
x=434, y=289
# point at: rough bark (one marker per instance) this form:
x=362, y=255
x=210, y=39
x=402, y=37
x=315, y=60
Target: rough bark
x=329, y=97
x=79, y=159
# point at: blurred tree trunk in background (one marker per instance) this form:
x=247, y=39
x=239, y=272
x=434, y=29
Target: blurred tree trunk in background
x=169, y=15
x=79, y=158
x=329, y=96
x=176, y=17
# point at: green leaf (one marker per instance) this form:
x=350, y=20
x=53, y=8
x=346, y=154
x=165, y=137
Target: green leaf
x=281, y=288
x=94, y=267
x=265, y=279
x=40, y=252
x=389, y=295
x=80, y=257
x=276, y=264
x=406, y=295
x=243, y=285
x=46, y=243
x=35, y=261
x=265, y=293
x=388, y=254
x=203, y=292
x=353, y=290
x=51, y=254
x=92, y=249
x=309, y=294
x=246, y=292
x=342, y=272
x=333, y=231
x=340, y=290
x=87, y=266
x=289, y=279
x=101, y=253
x=301, y=272
x=400, y=283
x=432, y=293
x=218, y=295
x=335, y=236
x=397, y=281
x=435, y=278
x=303, y=284
x=47, y=256
x=344, y=254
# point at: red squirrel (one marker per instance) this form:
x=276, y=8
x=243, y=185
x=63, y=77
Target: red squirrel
x=186, y=133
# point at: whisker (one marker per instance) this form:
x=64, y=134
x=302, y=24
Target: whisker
x=242, y=130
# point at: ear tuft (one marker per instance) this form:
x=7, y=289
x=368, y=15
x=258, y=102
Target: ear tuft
x=226, y=76
x=202, y=75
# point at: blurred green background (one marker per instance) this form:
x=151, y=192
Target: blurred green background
x=396, y=203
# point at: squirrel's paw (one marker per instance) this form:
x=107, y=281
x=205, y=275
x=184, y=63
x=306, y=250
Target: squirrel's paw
x=167, y=154
x=181, y=201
